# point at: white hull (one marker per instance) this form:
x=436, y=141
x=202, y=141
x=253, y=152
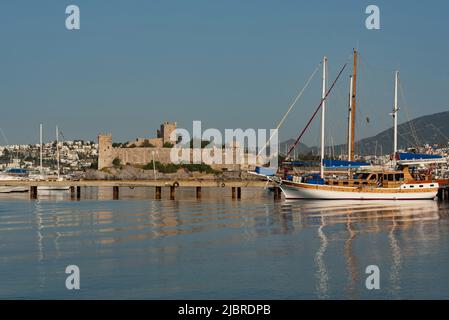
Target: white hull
x=8, y=189
x=323, y=192
x=48, y=188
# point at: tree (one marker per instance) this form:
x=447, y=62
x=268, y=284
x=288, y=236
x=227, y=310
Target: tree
x=116, y=162
x=147, y=144
x=168, y=145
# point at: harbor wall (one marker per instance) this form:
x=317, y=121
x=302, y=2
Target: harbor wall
x=232, y=159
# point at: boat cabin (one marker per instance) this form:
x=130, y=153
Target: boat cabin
x=384, y=178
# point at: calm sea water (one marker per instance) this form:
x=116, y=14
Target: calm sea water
x=218, y=248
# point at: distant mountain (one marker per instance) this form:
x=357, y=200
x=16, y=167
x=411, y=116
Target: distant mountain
x=430, y=129
x=301, y=148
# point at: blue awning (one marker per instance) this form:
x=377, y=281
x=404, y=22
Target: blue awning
x=343, y=164
x=417, y=156
x=333, y=164
x=16, y=171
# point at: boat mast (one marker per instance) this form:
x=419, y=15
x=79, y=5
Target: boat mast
x=40, y=143
x=353, y=107
x=350, y=118
x=323, y=112
x=57, y=149
x=395, y=114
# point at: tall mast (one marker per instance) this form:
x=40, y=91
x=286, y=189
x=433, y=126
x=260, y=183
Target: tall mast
x=350, y=118
x=395, y=114
x=323, y=112
x=57, y=149
x=40, y=143
x=353, y=106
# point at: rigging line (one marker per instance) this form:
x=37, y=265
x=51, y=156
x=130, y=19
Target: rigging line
x=316, y=111
x=412, y=128
x=370, y=66
x=402, y=135
x=439, y=131
x=291, y=107
x=62, y=135
x=4, y=136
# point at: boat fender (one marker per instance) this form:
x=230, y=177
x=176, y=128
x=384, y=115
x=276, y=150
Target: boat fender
x=223, y=185
x=176, y=184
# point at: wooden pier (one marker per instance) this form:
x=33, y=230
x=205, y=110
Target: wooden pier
x=171, y=185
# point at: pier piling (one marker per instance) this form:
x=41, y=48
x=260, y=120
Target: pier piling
x=233, y=192
x=115, y=192
x=158, y=192
x=78, y=192
x=239, y=192
x=172, y=192
x=277, y=193
x=33, y=192
x=198, y=192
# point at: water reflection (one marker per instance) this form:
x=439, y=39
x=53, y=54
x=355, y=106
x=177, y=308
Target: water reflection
x=362, y=217
x=314, y=249
x=322, y=286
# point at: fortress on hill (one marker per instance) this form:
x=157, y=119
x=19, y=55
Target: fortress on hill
x=143, y=150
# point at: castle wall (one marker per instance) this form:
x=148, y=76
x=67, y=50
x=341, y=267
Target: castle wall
x=141, y=155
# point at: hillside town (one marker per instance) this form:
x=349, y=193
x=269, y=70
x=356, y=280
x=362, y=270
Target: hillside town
x=75, y=156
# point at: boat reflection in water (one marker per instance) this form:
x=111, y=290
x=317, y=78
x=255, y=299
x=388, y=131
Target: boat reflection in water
x=362, y=218
x=216, y=247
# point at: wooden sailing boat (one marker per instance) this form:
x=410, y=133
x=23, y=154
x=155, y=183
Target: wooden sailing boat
x=384, y=184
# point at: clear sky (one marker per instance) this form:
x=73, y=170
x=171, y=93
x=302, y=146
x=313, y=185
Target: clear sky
x=229, y=63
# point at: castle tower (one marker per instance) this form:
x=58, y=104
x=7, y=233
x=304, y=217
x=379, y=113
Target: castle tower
x=104, y=151
x=166, y=129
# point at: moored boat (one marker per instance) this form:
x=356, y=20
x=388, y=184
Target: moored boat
x=389, y=183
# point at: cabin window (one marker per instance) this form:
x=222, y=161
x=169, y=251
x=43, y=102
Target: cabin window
x=399, y=177
x=412, y=186
x=363, y=176
x=390, y=177
x=432, y=185
x=421, y=186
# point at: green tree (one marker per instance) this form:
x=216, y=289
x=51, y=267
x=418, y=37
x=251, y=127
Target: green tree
x=147, y=144
x=116, y=162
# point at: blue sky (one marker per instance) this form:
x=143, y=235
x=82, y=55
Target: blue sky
x=228, y=63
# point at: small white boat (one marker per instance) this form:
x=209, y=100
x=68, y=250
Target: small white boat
x=8, y=189
x=54, y=188
x=40, y=176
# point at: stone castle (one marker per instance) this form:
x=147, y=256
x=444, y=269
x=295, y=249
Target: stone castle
x=144, y=150
x=140, y=151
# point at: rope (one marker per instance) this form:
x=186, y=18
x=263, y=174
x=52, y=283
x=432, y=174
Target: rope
x=412, y=128
x=291, y=106
x=4, y=136
x=316, y=111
